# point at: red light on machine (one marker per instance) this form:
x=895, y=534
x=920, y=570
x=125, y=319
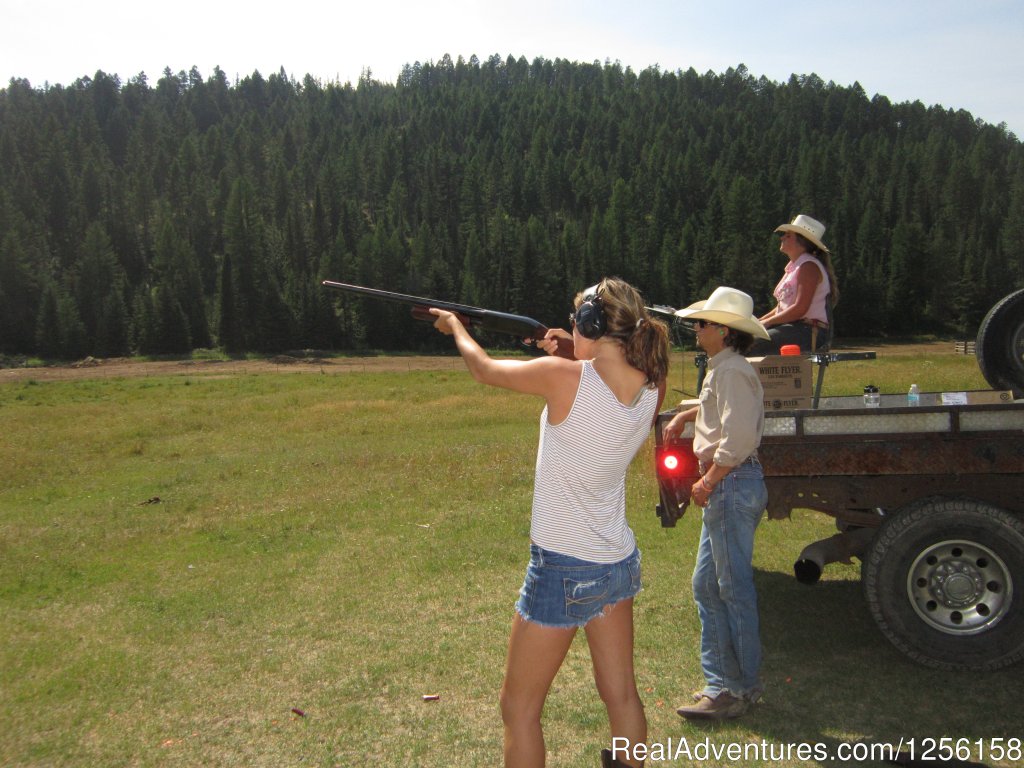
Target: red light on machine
x=676, y=461
x=677, y=469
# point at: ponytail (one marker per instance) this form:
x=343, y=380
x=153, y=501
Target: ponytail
x=647, y=349
x=644, y=339
x=741, y=341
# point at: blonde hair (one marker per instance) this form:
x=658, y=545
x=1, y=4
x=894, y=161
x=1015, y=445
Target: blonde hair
x=644, y=338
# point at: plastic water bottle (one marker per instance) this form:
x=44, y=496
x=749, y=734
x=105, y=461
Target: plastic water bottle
x=914, y=395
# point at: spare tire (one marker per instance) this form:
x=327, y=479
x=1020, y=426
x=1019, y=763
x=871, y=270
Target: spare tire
x=1000, y=344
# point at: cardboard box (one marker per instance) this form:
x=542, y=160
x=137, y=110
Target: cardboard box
x=784, y=376
x=979, y=397
x=786, y=403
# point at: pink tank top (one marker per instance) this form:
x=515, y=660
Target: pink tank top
x=785, y=291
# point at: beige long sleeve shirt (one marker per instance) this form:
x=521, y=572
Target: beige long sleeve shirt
x=730, y=419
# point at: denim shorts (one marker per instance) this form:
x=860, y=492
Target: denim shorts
x=563, y=591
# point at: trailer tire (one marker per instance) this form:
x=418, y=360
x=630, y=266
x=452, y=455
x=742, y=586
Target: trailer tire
x=944, y=581
x=999, y=347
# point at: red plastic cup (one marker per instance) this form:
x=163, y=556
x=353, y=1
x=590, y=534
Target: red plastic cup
x=789, y=349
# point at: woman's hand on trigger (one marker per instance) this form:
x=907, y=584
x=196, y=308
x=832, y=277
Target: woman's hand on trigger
x=555, y=339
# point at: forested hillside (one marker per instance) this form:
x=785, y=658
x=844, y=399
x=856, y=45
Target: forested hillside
x=196, y=212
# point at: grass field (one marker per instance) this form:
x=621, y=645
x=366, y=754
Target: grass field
x=273, y=569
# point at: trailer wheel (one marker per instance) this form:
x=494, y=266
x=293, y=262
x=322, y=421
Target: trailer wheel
x=999, y=347
x=944, y=580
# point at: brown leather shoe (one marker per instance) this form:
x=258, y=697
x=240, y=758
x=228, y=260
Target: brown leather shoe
x=724, y=706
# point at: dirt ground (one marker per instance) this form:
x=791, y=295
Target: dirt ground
x=121, y=367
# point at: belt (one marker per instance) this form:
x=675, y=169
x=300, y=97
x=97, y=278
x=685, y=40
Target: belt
x=814, y=323
x=704, y=466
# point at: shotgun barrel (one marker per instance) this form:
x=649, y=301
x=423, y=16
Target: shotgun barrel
x=486, y=319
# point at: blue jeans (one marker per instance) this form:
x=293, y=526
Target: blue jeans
x=723, y=583
x=563, y=591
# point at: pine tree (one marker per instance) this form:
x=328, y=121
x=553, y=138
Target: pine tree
x=18, y=296
x=48, y=330
x=230, y=335
x=98, y=276
x=60, y=333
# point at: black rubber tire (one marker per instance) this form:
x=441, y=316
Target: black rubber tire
x=944, y=581
x=1000, y=344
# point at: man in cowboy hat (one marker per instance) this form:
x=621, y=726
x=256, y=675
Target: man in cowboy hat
x=727, y=432
x=800, y=315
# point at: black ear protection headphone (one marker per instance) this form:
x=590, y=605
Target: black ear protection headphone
x=590, y=318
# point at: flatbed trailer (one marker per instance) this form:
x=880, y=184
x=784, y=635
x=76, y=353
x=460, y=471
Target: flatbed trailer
x=929, y=497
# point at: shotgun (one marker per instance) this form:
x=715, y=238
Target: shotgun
x=525, y=328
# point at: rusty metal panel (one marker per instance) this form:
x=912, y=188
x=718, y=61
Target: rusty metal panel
x=962, y=454
x=856, y=500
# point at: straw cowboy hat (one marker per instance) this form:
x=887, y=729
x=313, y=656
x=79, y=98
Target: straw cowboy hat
x=729, y=307
x=807, y=227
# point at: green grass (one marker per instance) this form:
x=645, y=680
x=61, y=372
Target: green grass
x=185, y=560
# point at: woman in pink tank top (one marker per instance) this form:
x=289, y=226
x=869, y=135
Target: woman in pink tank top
x=807, y=284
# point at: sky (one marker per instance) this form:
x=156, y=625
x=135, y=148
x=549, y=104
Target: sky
x=961, y=54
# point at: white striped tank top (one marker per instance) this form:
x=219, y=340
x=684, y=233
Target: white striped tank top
x=579, y=495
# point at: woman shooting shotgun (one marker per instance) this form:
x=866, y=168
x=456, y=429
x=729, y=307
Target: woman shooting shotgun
x=584, y=568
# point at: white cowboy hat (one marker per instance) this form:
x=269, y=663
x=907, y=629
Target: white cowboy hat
x=729, y=307
x=807, y=227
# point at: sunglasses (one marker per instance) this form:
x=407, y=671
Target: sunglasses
x=702, y=324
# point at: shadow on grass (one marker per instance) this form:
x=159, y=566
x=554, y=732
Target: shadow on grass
x=833, y=680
